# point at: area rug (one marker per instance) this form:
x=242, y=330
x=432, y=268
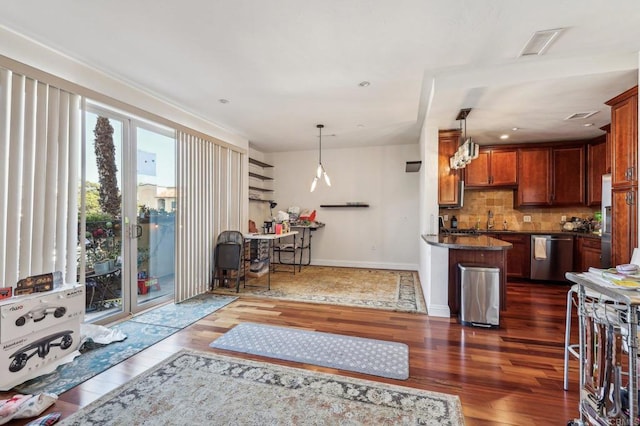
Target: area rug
x=198, y=388
x=141, y=331
x=361, y=287
x=370, y=356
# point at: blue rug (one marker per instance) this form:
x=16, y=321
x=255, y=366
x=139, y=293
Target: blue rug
x=370, y=356
x=141, y=331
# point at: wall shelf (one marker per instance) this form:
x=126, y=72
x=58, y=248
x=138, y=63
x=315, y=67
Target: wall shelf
x=257, y=200
x=343, y=205
x=261, y=177
x=258, y=163
x=256, y=188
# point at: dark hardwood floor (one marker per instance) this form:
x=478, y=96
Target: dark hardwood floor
x=509, y=376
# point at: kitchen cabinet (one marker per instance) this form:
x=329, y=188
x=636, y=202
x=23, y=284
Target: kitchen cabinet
x=551, y=176
x=534, y=179
x=448, y=179
x=624, y=138
x=587, y=253
x=596, y=167
x=492, y=168
x=519, y=257
x=607, y=136
x=568, y=176
x=624, y=175
x=623, y=224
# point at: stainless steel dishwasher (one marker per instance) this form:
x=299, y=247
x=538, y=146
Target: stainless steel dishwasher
x=551, y=257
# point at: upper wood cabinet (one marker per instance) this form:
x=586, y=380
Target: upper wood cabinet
x=534, y=179
x=448, y=179
x=492, y=168
x=624, y=138
x=551, y=176
x=568, y=176
x=607, y=164
x=596, y=167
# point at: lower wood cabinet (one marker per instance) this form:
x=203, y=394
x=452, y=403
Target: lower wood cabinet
x=519, y=257
x=624, y=235
x=587, y=253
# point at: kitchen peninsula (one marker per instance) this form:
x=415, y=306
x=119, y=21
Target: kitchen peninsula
x=467, y=249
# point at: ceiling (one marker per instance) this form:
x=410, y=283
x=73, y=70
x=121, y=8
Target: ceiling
x=286, y=65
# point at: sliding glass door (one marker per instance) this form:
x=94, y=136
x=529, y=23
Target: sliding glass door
x=129, y=204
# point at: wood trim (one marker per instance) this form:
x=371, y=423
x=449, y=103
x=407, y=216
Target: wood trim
x=623, y=96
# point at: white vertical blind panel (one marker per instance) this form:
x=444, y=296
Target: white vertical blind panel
x=40, y=178
x=62, y=183
x=14, y=197
x=235, y=190
x=50, y=210
x=74, y=125
x=28, y=176
x=5, y=137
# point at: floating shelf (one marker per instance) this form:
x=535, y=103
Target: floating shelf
x=255, y=188
x=259, y=201
x=261, y=177
x=344, y=205
x=258, y=163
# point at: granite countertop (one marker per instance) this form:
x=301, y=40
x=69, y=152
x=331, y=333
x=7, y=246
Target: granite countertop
x=467, y=242
x=541, y=232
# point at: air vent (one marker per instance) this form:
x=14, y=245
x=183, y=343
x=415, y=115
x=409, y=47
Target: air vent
x=581, y=115
x=540, y=42
x=413, y=166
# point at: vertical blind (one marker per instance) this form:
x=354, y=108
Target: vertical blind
x=209, y=189
x=39, y=154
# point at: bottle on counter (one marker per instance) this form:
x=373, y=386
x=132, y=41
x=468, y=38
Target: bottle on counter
x=454, y=222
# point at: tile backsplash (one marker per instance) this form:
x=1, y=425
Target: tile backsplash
x=477, y=204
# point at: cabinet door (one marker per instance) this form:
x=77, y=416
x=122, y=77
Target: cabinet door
x=534, y=177
x=623, y=225
x=587, y=254
x=504, y=168
x=477, y=172
x=624, y=138
x=519, y=256
x=448, y=179
x=568, y=176
x=596, y=167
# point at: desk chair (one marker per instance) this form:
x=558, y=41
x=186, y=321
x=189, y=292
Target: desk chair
x=228, y=256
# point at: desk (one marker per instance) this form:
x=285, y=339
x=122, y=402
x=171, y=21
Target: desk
x=270, y=238
x=305, y=239
x=628, y=302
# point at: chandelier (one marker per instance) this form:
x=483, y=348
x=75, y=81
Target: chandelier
x=468, y=150
x=320, y=171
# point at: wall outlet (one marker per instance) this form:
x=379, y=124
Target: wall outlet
x=563, y=218
x=526, y=219
x=446, y=217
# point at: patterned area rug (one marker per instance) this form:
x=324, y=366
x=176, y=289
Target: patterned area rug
x=205, y=389
x=371, y=288
x=369, y=356
x=141, y=331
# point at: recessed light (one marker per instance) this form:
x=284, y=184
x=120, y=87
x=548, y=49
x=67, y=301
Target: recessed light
x=588, y=124
x=515, y=129
x=504, y=137
x=360, y=125
x=223, y=101
x=364, y=83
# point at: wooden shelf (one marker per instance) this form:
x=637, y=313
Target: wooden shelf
x=259, y=201
x=343, y=205
x=258, y=163
x=255, y=188
x=261, y=177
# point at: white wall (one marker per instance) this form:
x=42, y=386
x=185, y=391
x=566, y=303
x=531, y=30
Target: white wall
x=384, y=235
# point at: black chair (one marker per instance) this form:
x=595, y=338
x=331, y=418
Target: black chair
x=228, y=257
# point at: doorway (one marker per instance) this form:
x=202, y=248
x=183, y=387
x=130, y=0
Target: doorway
x=129, y=203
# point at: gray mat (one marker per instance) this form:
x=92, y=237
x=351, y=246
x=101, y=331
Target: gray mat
x=369, y=356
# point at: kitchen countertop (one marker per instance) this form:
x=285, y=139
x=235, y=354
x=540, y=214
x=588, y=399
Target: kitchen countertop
x=541, y=232
x=467, y=242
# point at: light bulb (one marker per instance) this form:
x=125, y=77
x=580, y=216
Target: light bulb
x=313, y=184
x=326, y=179
x=319, y=171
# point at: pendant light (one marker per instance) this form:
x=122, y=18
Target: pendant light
x=320, y=172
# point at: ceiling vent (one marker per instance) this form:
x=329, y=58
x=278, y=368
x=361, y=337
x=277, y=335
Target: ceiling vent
x=540, y=42
x=581, y=115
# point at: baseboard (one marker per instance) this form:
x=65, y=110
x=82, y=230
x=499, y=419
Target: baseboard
x=438, y=311
x=372, y=265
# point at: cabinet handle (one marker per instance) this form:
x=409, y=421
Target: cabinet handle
x=630, y=198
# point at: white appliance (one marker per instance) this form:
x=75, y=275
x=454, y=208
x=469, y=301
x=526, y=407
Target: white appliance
x=606, y=222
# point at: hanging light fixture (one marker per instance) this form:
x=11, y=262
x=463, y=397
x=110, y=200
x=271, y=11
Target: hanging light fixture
x=468, y=150
x=320, y=172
